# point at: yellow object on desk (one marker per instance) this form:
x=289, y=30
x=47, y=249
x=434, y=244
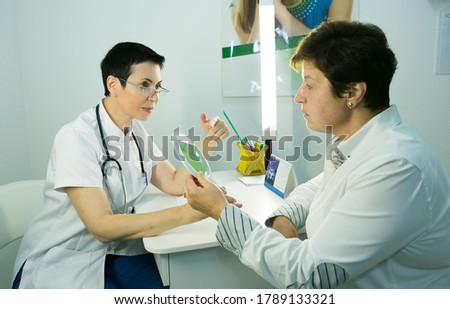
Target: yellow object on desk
x=251, y=163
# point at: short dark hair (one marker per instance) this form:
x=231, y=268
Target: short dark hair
x=119, y=60
x=350, y=52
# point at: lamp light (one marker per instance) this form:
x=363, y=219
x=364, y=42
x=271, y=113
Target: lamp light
x=268, y=73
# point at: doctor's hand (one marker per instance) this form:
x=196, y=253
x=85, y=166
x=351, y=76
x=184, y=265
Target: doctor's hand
x=214, y=130
x=206, y=197
x=214, y=127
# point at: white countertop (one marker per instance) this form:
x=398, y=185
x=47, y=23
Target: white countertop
x=258, y=201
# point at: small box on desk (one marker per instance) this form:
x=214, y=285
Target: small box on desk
x=280, y=176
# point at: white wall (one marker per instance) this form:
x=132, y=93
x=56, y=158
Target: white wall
x=53, y=50
x=14, y=157
x=422, y=97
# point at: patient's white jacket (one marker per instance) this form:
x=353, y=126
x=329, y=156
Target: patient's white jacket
x=380, y=220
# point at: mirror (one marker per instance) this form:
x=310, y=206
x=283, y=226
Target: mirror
x=191, y=156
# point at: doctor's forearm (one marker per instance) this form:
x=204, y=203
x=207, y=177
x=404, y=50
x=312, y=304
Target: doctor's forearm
x=120, y=227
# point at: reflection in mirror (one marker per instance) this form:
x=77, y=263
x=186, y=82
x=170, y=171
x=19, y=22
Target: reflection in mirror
x=241, y=75
x=292, y=17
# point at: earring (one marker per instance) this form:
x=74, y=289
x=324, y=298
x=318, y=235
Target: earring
x=349, y=105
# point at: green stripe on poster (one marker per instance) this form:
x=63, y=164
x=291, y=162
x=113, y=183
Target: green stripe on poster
x=250, y=49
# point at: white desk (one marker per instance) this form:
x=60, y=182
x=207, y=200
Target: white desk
x=190, y=256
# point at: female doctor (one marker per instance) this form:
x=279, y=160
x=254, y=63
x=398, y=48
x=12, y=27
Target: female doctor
x=87, y=235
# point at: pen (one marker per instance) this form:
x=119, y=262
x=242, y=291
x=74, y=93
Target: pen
x=235, y=131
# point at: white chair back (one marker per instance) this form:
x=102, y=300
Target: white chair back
x=19, y=202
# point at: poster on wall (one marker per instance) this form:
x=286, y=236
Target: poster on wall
x=241, y=73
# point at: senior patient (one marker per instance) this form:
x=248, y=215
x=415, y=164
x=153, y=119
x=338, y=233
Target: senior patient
x=378, y=216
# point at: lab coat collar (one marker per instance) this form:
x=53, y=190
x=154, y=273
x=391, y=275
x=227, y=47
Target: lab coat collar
x=370, y=132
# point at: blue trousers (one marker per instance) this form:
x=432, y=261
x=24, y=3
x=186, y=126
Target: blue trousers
x=125, y=272
x=132, y=272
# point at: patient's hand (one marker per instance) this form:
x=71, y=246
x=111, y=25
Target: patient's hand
x=285, y=227
x=205, y=196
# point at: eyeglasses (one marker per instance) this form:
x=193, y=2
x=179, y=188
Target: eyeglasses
x=148, y=92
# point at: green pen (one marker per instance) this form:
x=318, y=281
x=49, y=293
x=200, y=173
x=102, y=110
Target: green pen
x=243, y=141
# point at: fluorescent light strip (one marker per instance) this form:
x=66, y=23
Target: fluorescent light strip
x=268, y=73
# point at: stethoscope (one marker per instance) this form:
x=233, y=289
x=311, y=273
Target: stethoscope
x=110, y=162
